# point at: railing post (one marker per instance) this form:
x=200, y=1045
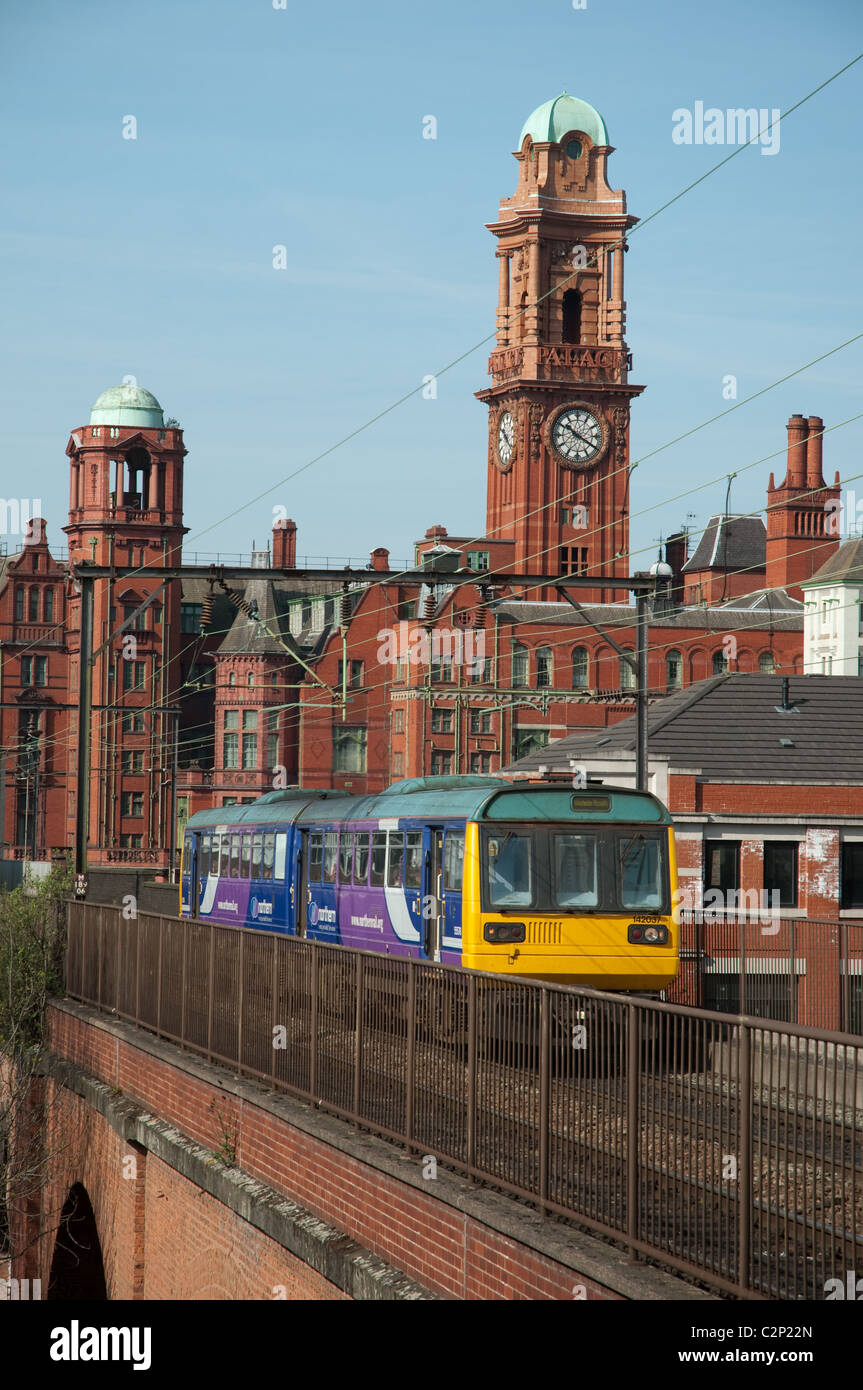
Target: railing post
x=471, y=1070
x=313, y=1038
x=358, y=1033
x=274, y=999
x=159, y=981
x=544, y=1085
x=844, y=979
x=100, y=953
x=238, y=1000
x=633, y=1090
x=210, y=975
x=792, y=973
x=411, y=1025
x=137, y=921
x=744, y=1185
x=184, y=987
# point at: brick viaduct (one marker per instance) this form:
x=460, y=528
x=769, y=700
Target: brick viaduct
x=172, y=1178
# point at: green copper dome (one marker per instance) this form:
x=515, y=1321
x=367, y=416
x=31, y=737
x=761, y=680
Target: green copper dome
x=127, y=405
x=554, y=119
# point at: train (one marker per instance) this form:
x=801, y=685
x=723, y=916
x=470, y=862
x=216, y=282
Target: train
x=543, y=880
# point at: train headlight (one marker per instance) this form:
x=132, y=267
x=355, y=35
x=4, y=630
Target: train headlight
x=647, y=934
x=499, y=933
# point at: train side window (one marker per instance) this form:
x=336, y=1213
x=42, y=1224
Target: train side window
x=269, y=844
x=235, y=856
x=414, y=860
x=395, y=858
x=246, y=856
x=225, y=860
x=453, y=862
x=316, y=855
x=361, y=857
x=256, y=855
x=346, y=856
x=379, y=859
x=204, y=863
x=281, y=858
x=331, y=855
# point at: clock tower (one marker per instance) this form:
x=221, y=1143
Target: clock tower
x=558, y=453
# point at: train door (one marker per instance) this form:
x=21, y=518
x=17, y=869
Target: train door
x=451, y=897
x=300, y=883
x=432, y=909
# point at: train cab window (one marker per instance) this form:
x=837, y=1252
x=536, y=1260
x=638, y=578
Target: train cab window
x=269, y=847
x=361, y=857
x=204, y=862
x=346, y=856
x=379, y=859
x=575, y=871
x=510, y=879
x=414, y=860
x=453, y=862
x=395, y=858
x=331, y=855
x=245, y=856
x=316, y=855
x=281, y=858
x=224, y=862
x=640, y=872
x=256, y=855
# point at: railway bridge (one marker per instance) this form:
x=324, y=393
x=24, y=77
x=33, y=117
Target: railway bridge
x=237, y=1114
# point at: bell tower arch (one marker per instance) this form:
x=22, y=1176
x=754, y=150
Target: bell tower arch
x=558, y=453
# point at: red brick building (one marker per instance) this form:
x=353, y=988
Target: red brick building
x=209, y=697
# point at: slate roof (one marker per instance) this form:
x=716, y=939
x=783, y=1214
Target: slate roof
x=730, y=543
x=247, y=636
x=785, y=613
x=845, y=565
x=729, y=727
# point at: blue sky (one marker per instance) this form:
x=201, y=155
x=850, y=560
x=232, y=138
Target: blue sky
x=302, y=127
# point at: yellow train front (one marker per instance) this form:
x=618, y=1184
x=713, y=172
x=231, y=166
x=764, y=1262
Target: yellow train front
x=571, y=886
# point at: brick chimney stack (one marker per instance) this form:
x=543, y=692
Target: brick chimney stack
x=799, y=538
x=285, y=544
x=814, y=475
x=798, y=429
x=381, y=559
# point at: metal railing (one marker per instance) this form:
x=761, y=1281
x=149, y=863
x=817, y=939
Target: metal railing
x=789, y=969
x=723, y=1147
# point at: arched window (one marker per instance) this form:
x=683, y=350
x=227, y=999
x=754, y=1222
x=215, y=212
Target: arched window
x=571, y=317
x=766, y=663
x=19, y=604
x=48, y=606
x=673, y=670
x=720, y=663
x=544, y=666
x=580, y=668
x=232, y=678
x=627, y=675
x=33, y=605
x=520, y=664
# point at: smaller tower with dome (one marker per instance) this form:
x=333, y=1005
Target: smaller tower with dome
x=126, y=510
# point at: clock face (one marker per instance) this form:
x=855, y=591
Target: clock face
x=505, y=438
x=577, y=435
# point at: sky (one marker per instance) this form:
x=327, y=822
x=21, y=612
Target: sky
x=302, y=127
